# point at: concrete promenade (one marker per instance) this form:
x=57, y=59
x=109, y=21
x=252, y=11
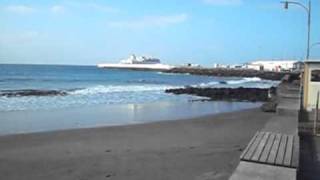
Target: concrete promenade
x=286, y=122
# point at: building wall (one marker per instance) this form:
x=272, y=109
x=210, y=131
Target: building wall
x=275, y=65
x=310, y=88
x=251, y=66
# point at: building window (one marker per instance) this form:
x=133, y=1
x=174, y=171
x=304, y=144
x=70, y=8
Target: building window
x=315, y=75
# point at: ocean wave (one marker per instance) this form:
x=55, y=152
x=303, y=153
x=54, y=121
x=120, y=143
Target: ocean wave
x=95, y=95
x=173, y=74
x=94, y=90
x=247, y=82
x=244, y=80
x=37, y=79
x=146, y=81
x=102, y=89
x=208, y=84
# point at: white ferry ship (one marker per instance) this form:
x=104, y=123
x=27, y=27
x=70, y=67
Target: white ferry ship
x=140, y=62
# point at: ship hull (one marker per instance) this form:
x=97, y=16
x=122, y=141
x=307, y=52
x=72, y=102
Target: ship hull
x=137, y=66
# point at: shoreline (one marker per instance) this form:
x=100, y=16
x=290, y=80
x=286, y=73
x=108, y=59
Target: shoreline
x=194, y=148
x=28, y=121
x=134, y=124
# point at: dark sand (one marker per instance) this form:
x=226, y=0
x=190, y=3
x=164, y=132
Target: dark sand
x=200, y=148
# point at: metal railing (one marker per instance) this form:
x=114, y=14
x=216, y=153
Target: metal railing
x=315, y=128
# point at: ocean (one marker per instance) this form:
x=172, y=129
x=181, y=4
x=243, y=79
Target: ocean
x=87, y=96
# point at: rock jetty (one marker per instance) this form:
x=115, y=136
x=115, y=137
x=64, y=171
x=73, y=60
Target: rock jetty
x=234, y=72
x=31, y=92
x=226, y=94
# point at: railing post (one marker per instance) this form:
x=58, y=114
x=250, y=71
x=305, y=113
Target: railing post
x=317, y=116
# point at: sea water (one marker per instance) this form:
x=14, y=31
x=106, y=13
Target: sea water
x=100, y=97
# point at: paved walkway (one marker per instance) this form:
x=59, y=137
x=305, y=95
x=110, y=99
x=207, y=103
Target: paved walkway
x=309, y=158
x=285, y=123
x=248, y=171
x=282, y=124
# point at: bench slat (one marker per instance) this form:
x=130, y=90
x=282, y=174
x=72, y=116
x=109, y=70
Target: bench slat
x=274, y=149
x=295, y=154
x=254, y=146
x=260, y=147
x=266, y=151
x=282, y=150
x=289, y=150
x=249, y=145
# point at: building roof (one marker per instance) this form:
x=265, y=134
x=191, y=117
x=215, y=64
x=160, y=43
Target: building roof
x=273, y=62
x=312, y=62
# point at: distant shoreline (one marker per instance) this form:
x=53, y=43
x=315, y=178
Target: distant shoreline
x=219, y=72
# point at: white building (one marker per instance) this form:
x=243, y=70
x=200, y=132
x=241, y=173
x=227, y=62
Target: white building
x=219, y=66
x=285, y=65
x=258, y=67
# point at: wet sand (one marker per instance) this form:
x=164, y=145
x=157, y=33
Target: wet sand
x=200, y=148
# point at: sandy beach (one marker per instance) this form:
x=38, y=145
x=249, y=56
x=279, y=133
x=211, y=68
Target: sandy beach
x=200, y=148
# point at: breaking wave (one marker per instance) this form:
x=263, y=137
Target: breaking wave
x=99, y=89
x=244, y=80
x=253, y=82
x=102, y=89
x=99, y=94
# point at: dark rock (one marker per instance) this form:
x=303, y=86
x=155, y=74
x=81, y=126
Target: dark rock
x=270, y=106
x=229, y=94
x=31, y=92
x=236, y=72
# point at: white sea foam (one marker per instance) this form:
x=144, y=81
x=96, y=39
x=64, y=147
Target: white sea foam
x=101, y=89
x=253, y=82
x=209, y=84
x=244, y=80
x=99, y=94
x=173, y=74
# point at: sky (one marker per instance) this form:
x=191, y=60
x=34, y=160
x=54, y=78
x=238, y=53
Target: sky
x=176, y=31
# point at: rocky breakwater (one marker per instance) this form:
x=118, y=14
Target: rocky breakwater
x=234, y=72
x=228, y=94
x=233, y=94
x=31, y=92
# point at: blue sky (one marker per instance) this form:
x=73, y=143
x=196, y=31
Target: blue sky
x=177, y=31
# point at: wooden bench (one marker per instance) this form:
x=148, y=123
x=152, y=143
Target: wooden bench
x=269, y=156
x=273, y=149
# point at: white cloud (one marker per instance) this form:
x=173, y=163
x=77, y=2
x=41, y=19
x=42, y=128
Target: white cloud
x=223, y=2
x=92, y=6
x=101, y=7
x=151, y=21
x=57, y=9
x=19, y=37
x=19, y=9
